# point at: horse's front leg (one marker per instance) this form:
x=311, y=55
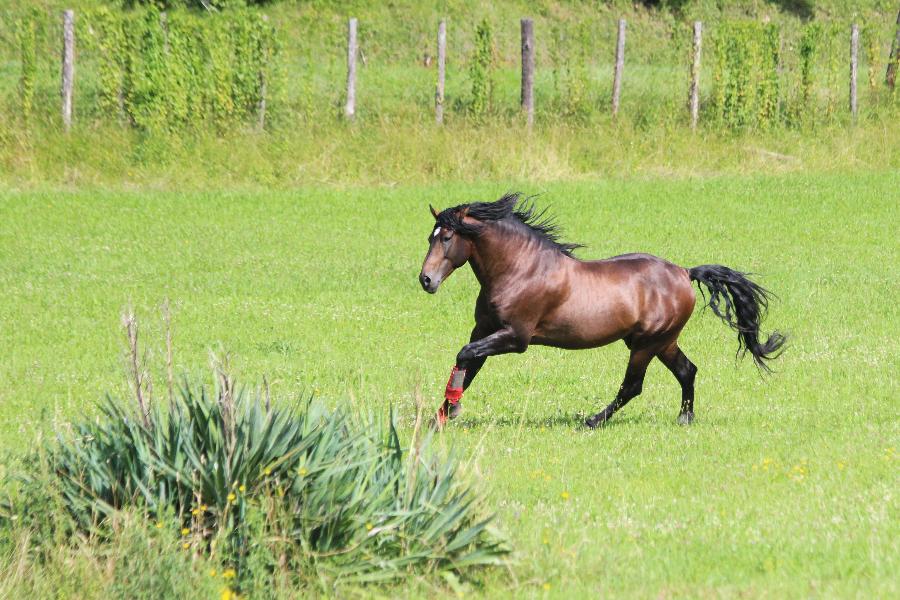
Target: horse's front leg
x=470, y=360
x=454, y=409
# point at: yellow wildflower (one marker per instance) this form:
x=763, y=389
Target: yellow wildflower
x=203, y=508
x=195, y=512
x=565, y=495
x=212, y=572
x=267, y=471
x=369, y=527
x=159, y=525
x=546, y=587
x=186, y=545
x=302, y=471
x=232, y=497
x=185, y=531
x=242, y=489
x=228, y=573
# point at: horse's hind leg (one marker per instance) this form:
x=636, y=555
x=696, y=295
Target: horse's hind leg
x=684, y=371
x=631, y=386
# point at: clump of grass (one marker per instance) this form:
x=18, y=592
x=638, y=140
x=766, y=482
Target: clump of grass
x=324, y=496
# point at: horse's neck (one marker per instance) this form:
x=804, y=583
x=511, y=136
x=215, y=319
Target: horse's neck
x=498, y=257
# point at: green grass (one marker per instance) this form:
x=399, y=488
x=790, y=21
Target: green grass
x=784, y=486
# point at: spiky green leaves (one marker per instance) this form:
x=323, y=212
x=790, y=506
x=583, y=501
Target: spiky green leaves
x=330, y=493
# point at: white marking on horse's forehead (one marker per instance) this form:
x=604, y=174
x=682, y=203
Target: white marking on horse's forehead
x=437, y=230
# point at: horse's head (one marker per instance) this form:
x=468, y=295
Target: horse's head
x=447, y=251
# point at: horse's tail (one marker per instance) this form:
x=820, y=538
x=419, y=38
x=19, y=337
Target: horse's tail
x=745, y=304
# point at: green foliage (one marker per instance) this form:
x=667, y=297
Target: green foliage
x=746, y=74
x=140, y=561
x=835, y=46
x=27, y=40
x=334, y=496
x=167, y=72
x=768, y=90
x=481, y=69
x=872, y=53
x=809, y=45
x=153, y=563
x=569, y=53
x=202, y=94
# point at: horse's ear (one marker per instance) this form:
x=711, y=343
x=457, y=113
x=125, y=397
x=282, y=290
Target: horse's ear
x=463, y=212
x=433, y=212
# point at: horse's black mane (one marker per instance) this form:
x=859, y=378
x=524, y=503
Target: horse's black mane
x=538, y=223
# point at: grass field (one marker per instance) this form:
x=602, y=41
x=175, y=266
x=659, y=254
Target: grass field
x=784, y=486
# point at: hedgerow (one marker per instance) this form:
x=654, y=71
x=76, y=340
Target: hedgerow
x=163, y=71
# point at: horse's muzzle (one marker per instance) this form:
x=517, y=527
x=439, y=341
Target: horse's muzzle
x=428, y=284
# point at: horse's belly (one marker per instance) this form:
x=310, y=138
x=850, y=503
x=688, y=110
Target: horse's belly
x=583, y=327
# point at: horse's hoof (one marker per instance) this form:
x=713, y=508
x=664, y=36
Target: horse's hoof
x=594, y=423
x=686, y=418
x=455, y=410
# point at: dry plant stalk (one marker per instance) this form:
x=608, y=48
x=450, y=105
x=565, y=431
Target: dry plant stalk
x=226, y=398
x=167, y=319
x=415, y=444
x=138, y=375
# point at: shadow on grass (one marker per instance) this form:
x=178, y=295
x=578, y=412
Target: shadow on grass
x=573, y=421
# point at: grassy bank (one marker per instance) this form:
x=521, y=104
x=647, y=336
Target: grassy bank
x=387, y=154
x=394, y=140
x=784, y=485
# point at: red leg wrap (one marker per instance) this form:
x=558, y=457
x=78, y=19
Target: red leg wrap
x=454, y=389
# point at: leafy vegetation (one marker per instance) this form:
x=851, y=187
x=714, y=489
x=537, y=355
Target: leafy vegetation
x=297, y=488
x=481, y=70
x=164, y=101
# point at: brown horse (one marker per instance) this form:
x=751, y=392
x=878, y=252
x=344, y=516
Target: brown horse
x=533, y=291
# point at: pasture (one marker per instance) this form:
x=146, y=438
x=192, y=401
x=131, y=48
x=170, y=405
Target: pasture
x=784, y=486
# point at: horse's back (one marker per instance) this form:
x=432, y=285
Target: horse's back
x=626, y=296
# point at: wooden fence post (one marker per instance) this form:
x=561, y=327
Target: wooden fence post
x=350, y=107
x=854, y=53
x=527, y=96
x=164, y=25
x=441, y=72
x=890, y=76
x=263, y=80
x=68, y=67
x=695, y=74
x=620, y=66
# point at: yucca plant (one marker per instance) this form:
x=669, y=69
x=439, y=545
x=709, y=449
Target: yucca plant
x=331, y=493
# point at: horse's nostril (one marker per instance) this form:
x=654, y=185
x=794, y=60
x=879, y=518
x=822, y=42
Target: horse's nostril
x=426, y=280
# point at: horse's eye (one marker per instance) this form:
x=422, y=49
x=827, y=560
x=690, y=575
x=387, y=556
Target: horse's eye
x=447, y=236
